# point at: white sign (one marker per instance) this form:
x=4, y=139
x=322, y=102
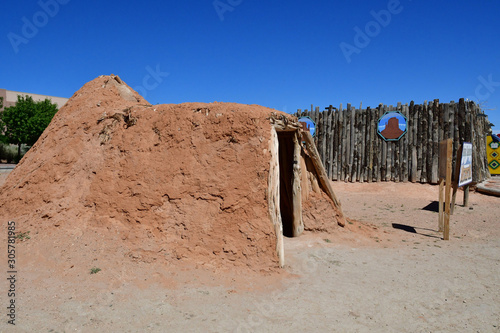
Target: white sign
x=466, y=165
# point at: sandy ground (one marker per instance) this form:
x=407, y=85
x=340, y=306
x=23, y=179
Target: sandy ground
x=383, y=279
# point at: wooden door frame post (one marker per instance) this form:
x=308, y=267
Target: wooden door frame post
x=298, y=224
x=274, y=195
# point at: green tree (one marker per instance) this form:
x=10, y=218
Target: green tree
x=24, y=122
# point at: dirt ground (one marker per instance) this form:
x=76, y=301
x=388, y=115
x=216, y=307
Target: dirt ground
x=389, y=272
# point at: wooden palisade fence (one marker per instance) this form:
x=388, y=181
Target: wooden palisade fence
x=352, y=150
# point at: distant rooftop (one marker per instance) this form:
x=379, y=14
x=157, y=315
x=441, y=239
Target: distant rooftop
x=10, y=98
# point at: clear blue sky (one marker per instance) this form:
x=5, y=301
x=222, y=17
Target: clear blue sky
x=281, y=54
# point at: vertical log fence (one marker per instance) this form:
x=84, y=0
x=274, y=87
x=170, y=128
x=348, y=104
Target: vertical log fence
x=352, y=150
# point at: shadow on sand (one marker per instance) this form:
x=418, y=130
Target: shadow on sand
x=413, y=230
x=432, y=207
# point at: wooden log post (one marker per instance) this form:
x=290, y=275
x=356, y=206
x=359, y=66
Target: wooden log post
x=274, y=196
x=304, y=178
x=370, y=141
x=298, y=224
x=336, y=147
x=316, y=118
x=382, y=150
x=324, y=117
x=355, y=151
x=441, y=121
x=481, y=129
x=447, y=130
x=342, y=148
x=389, y=171
x=461, y=121
x=398, y=153
x=377, y=146
x=421, y=119
x=424, y=136
x=353, y=145
x=456, y=177
x=326, y=141
x=466, y=196
x=430, y=143
x=362, y=145
x=318, y=140
x=347, y=143
x=331, y=143
x=484, y=161
x=406, y=156
x=435, y=142
x=449, y=156
x=451, y=110
x=328, y=165
x=441, y=198
x=413, y=144
x=444, y=173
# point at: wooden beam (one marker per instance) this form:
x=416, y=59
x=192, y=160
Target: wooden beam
x=320, y=170
x=283, y=123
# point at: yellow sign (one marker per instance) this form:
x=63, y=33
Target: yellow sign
x=493, y=155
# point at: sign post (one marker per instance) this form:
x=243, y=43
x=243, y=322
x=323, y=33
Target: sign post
x=463, y=173
x=445, y=162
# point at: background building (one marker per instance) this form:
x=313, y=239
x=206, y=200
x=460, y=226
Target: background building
x=10, y=98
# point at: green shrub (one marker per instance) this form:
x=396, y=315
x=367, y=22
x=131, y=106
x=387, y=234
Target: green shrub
x=8, y=152
x=95, y=270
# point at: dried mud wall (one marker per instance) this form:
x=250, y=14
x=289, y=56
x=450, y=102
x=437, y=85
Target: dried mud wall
x=173, y=182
